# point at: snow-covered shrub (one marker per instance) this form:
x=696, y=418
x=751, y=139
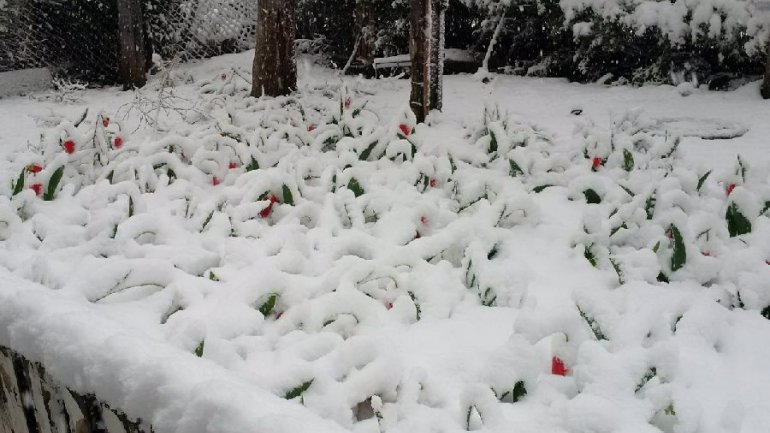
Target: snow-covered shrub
x=649, y=41
x=333, y=26
x=638, y=42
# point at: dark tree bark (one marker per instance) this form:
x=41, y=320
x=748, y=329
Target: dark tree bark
x=275, y=70
x=364, y=20
x=765, y=90
x=426, y=46
x=420, y=51
x=133, y=58
x=438, y=38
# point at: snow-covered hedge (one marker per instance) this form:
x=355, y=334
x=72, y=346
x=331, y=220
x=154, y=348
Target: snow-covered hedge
x=640, y=41
x=679, y=21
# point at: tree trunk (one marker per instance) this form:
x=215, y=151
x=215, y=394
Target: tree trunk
x=275, y=70
x=765, y=90
x=364, y=25
x=133, y=58
x=437, y=54
x=420, y=50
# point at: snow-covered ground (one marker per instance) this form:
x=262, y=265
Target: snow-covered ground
x=391, y=276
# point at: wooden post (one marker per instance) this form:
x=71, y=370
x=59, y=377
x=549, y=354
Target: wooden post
x=275, y=70
x=438, y=37
x=133, y=59
x=419, y=49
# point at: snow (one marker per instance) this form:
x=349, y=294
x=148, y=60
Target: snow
x=417, y=302
x=23, y=82
x=678, y=20
x=451, y=54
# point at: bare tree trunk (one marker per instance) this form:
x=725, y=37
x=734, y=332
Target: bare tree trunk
x=493, y=42
x=437, y=53
x=275, y=70
x=364, y=23
x=133, y=58
x=765, y=90
x=420, y=50
x=352, y=57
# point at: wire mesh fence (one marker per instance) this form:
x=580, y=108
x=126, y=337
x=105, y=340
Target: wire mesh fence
x=73, y=38
x=196, y=29
x=78, y=39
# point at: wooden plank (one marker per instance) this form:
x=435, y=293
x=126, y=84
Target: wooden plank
x=32, y=402
x=12, y=419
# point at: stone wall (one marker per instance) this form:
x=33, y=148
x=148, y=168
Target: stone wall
x=33, y=402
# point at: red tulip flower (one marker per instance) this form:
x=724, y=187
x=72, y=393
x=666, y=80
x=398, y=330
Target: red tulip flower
x=347, y=102
x=105, y=121
x=730, y=189
x=405, y=130
x=38, y=188
x=557, y=367
x=312, y=128
x=117, y=143
x=232, y=165
x=69, y=146
x=432, y=183
x=269, y=209
x=388, y=305
x=34, y=168
x=215, y=181
x=596, y=163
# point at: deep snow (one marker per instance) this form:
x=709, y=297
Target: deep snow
x=354, y=273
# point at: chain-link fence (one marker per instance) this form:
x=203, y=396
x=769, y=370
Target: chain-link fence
x=78, y=39
x=196, y=29
x=73, y=38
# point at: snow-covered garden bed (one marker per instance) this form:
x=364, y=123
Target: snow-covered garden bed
x=313, y=263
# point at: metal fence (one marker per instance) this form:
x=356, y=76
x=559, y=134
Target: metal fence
x=196, y=29
x=78, y=39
